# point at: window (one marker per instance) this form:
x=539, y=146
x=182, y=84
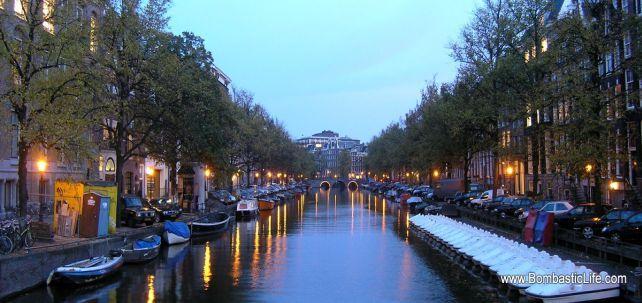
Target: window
x=638, y=6
x=616, y=55
x=560, y=206
x=636, y=219
x=628, y=80
x=19, y=8
x=549, y=207
x=47, y=13
x=101, y=161
x=110, y=166
x=625, y=6
x=627, y=45
x=14, y=135
x=93, y=23
x=609, y=62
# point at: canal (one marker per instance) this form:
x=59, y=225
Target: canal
x=328, y=246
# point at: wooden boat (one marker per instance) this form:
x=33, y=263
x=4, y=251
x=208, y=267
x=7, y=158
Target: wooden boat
x=88, y=270
x=142, y=250
x=209, y=224
x=247, y=208
x=266, y=203
x=175, y=232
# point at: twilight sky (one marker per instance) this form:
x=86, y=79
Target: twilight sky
x=352, y=66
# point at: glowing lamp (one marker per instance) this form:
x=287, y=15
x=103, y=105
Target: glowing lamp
x=41, y=165
x=149, y=170
x=435, y=173
x=208, y=173
x=509, y=170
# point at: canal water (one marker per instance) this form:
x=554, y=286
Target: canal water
x=327, y=246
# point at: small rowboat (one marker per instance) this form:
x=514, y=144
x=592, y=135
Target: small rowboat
x=266, y=204
x=175, y=232
x=209, y=224
x=142, y=250
x=88, y=270
x=247, y=208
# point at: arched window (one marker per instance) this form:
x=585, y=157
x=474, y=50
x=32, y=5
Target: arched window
x=110, y=166
x=19, y=8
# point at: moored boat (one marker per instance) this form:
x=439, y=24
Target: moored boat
x=142, y=250
x=88, y=270
x=175, y=232
x=266, y=203
x=247, y=208
x=209, y=224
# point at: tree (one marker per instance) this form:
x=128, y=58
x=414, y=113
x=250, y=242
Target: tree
x=47, y=95
x=128, y=49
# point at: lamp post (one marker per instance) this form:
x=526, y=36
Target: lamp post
x=588, y=168
x=42, y=167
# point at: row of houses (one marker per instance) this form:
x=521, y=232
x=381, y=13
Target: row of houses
x=327, y=146
x=622, y=177
x=143, y=176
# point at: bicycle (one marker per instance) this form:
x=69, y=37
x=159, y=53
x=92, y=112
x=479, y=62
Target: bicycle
x=6, y=245
x=21, y=231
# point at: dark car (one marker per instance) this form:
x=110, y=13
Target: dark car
x=537, y=205
x=584, y=211
x=629, y=230
x=165, y=209
x=509, y=209
x=134, y=213
x=496, y=202
x=594, y=226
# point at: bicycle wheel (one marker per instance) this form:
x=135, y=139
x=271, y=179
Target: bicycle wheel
x=6, y=245
x=28, y=239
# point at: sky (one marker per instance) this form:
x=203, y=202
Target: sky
x=351, y=66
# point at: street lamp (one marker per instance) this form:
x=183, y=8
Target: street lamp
x=42, y=167
x=435, y=173
x=589, y=169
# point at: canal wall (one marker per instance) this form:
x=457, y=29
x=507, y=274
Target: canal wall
x=24, y=271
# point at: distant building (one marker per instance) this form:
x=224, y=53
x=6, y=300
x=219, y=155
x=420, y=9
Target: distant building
x=326, y=147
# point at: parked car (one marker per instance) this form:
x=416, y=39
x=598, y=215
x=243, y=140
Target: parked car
x=555, y=207
x=522, y=213
x=497, y=201
x=485, y=197
x=580, y=212
x=629, y=230
x=134, y=213
x=165, y=209
x=509, y=209
x=593, y=226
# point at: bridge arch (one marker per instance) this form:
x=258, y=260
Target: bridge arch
x=353, y=185
x=325, y=185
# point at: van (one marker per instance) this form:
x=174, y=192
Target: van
x=485, y=197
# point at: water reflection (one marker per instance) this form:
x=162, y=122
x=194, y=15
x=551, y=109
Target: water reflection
x=348, y=243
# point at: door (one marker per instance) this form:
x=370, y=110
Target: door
x=103, y=217
x=89, y=217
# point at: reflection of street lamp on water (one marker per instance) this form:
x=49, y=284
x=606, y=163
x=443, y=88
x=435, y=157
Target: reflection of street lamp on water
x=42, y=167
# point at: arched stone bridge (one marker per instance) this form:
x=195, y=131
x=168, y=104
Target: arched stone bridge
x=327, y=183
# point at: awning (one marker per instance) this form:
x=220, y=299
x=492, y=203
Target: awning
x=186, y=170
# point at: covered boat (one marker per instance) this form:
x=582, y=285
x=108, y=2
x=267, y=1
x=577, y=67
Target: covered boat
x=209, y=224
x=247, y=208
x=175, y=232
x=88, y=270
x=142, y=250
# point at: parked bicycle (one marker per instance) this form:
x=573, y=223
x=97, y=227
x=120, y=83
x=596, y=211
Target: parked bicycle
x=15, y=234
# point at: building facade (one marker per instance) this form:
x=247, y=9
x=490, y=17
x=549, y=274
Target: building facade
x=327, y=147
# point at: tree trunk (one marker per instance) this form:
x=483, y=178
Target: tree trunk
x=23, y=196
x=495, y=173
x=597, y=193
x=120, y=184
x=535, y=158
x=466, y=168
x=248, y=171
x=172, y=180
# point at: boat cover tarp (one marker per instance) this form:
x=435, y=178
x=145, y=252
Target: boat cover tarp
x=414, y=200
x=177, y=228
x=529, y=229
x=148, y=242
x=544, y=228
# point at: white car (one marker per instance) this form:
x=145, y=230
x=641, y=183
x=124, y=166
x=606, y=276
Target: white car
x=554, y=207
x=485, y=197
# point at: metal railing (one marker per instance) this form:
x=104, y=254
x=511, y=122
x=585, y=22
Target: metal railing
x=603, y=248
